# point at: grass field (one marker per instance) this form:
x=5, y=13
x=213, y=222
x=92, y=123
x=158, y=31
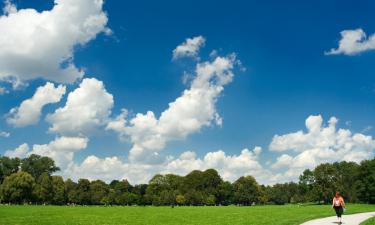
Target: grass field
x=369, y=222
x=56, y=215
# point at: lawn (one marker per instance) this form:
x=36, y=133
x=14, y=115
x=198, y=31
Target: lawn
x=56, y=215
x=369, y=222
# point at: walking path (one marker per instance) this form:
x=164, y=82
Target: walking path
x=353, y=219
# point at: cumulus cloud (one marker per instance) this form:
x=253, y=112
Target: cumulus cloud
x=86, y=108
x=353, y=42
x=30, y=110
x=230, y=167
x=20, y=152
x=194, y=109
x=4, y=134
x=3, y=90
x=9, y=7
x=320, y=144
x=61, y=150
x=189, y=48
x=41, y=44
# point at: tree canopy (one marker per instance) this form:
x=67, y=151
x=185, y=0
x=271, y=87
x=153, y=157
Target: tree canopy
x=32, y=180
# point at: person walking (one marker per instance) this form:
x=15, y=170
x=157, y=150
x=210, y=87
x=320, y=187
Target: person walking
x=338, y=204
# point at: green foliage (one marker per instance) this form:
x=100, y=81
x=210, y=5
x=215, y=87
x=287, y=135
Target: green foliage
x=98, y=191
x=44, y=188
x=71, y=192
x=37, y=165
x=83, y=192
x=17, y=188
x=366, y=181
x=246, y=190
x=58, y=190
x=355, y=182
x=180, y=199
x=8, y=166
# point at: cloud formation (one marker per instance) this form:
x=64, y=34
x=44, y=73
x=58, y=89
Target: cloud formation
x=320, y=144
x=353, y=42
x=194, y=109
x=30, y=110
x=230, y=167
x=189, y=48
x=4, y=134
x=20, y=152
x=87, y=108
x=61, y=150
x=41, y=44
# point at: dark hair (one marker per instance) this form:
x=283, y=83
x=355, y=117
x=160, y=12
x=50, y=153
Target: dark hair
x=337, y=194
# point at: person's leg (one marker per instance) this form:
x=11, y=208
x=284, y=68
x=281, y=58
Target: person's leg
x=337, y=214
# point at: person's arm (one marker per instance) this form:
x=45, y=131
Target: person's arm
x=343, y=202
x=333, y=202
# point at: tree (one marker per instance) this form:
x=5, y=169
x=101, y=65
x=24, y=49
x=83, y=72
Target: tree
x=210, y=200
x=305, y=186
x=224, y=195
x=366, y=181
x=180, y=199
x=8, y=166
x=58, y=190
x=347, y=175
x=140, y=191
x=194, y=197
x=44, y=188
x=246, y=190
x=83, y=192
x=17, y=188
x=37, y=165
x=71, y=191
x=326, y=182
x=278, y=194
x=98, y=191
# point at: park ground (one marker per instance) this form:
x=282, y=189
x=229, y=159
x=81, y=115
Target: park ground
x=369, y=221
x=135, y=215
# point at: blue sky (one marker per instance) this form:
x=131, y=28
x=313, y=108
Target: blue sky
x=288, y=76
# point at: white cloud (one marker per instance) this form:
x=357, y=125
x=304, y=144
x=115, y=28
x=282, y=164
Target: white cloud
x=353, y=42
x=30, y=110
x=320, y=144
x=4, y=134
x=61, y=150
x=283, y=161
x=41, y=44
x=189, y=48
x=111, y=168
x=9, y=7
x=3, y=90
x=20, y=152
x=86, y=108
x=194, y=109
x=230, y=167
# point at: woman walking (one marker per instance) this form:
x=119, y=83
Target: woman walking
x=338, y=204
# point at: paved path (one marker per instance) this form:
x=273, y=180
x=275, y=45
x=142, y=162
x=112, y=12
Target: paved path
x=353, y=219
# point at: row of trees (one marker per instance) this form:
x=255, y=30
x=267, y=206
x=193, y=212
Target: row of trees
x=30, y=180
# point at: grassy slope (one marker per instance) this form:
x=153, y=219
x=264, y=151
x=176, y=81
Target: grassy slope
x=369, y=221
x=57, y=215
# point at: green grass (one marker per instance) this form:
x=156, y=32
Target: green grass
x=57, y=215
x=370, y=221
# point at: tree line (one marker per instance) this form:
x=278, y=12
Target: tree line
x=31, y=181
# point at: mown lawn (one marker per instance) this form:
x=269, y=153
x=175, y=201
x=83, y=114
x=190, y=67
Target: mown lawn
x=56, y=215
x=369, y=221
